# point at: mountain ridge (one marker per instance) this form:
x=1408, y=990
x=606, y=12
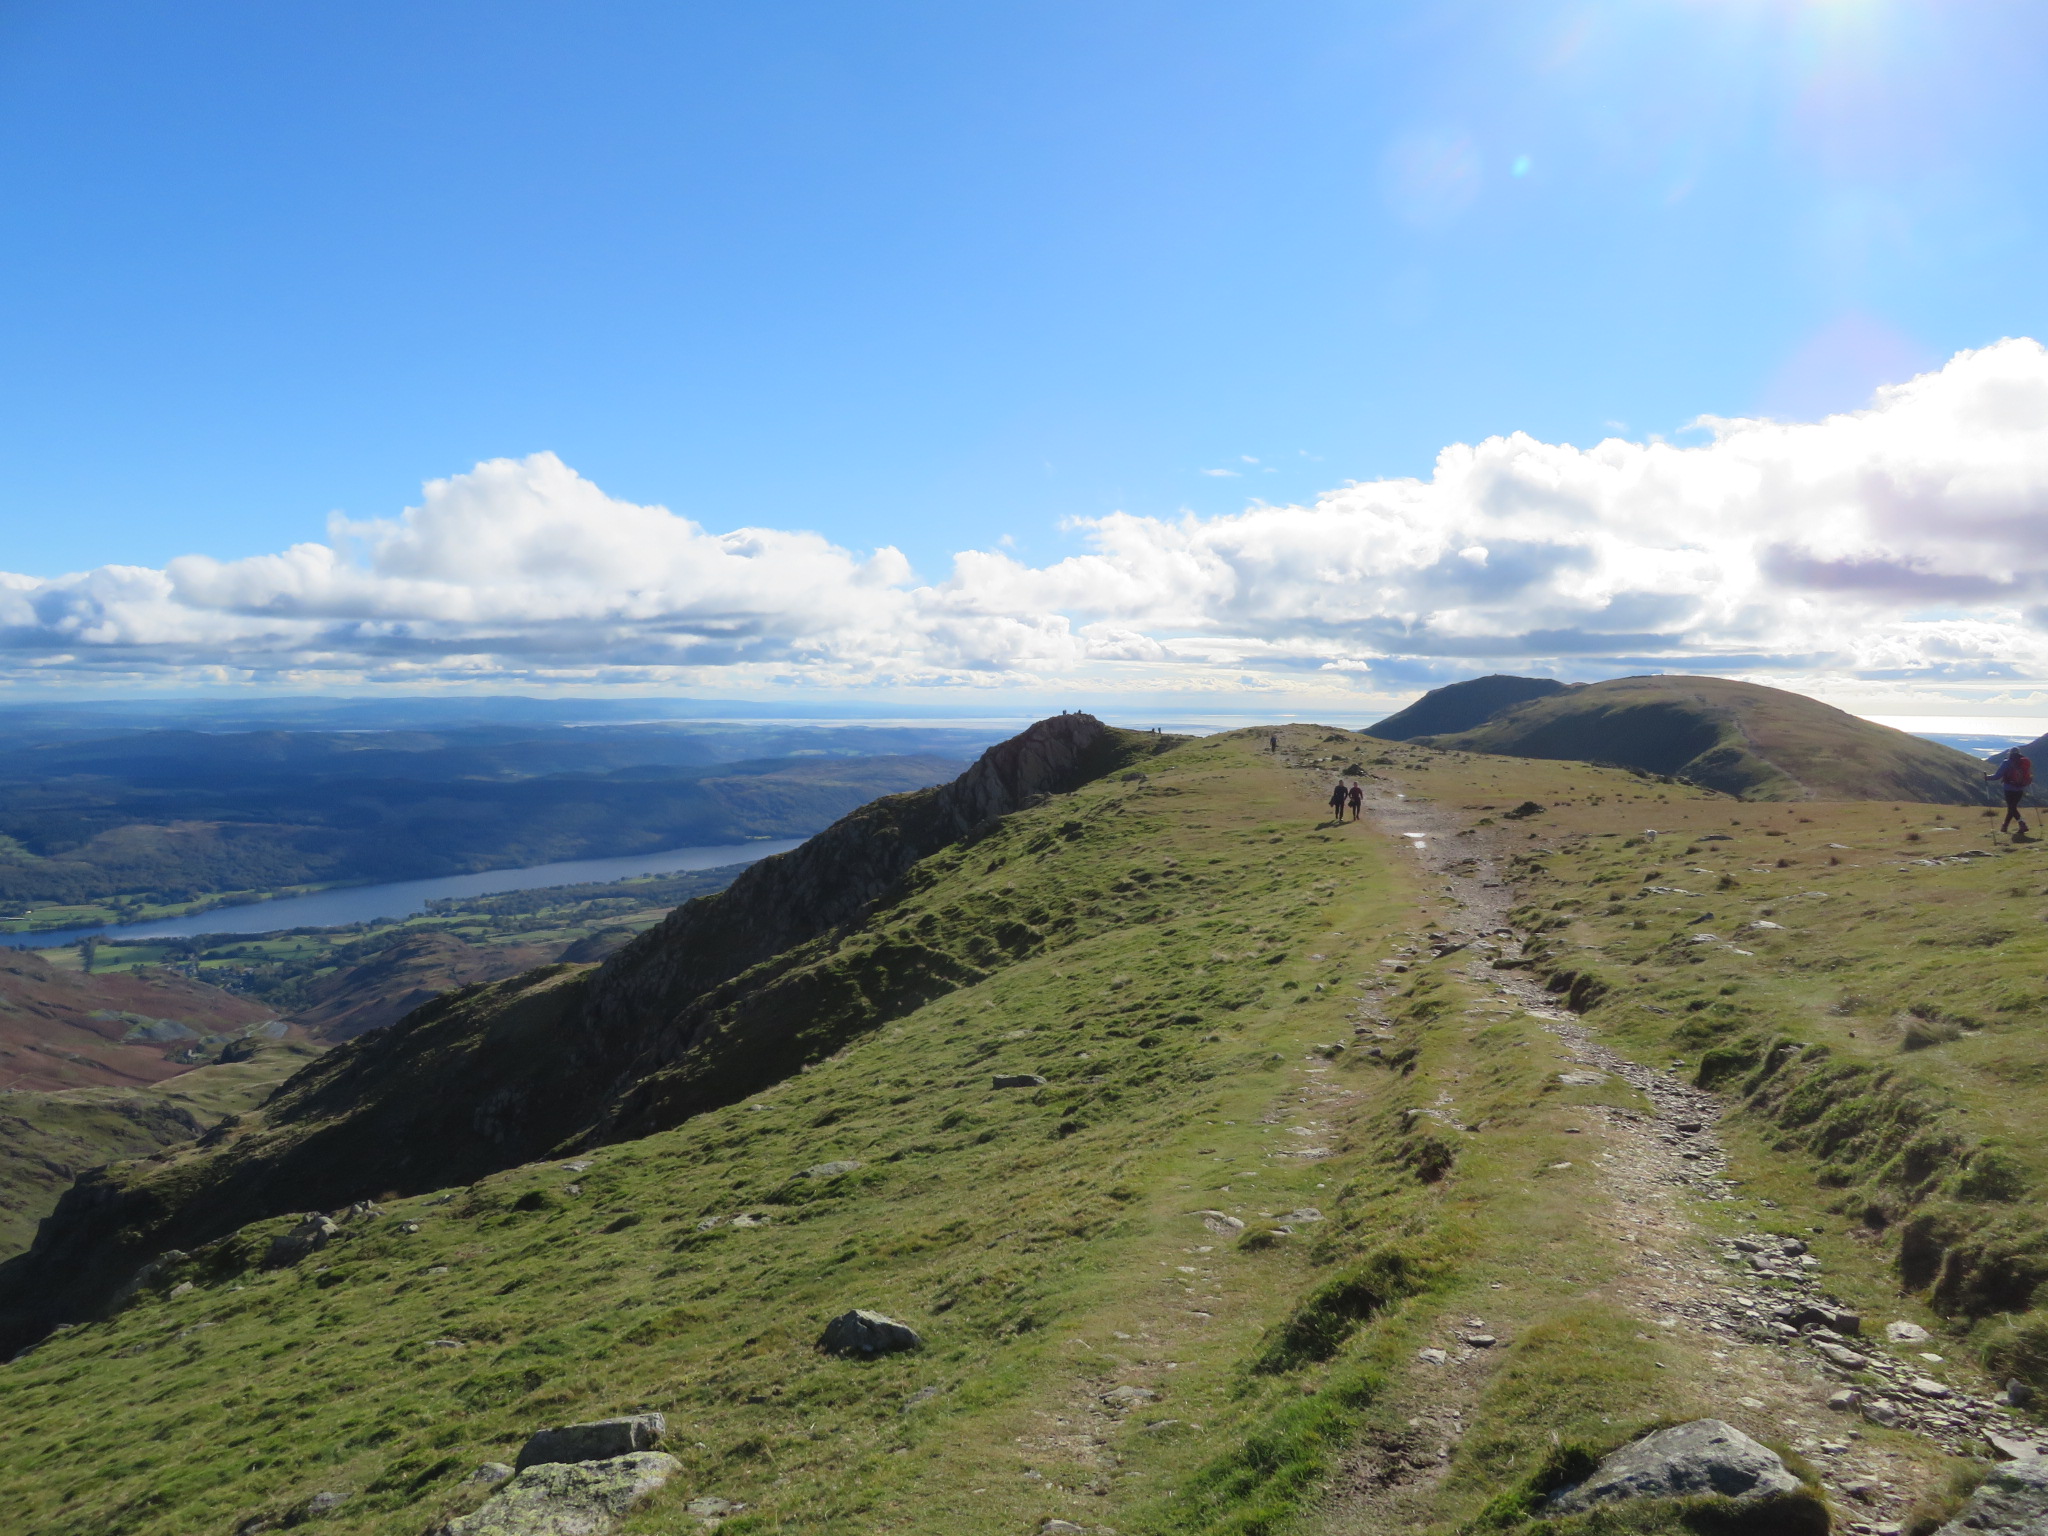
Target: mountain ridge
x=566, y=1057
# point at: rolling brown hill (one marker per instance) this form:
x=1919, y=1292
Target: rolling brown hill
x=1740, y=738
x=65, y=1029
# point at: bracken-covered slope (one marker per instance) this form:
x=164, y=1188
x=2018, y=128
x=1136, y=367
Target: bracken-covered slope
x=733, y=992
x=1460, y=706
x=1739, y=738
x=64, y=1029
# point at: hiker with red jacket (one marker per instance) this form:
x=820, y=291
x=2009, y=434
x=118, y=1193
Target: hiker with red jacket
x=2014, y=776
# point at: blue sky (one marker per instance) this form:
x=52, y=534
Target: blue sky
x=936, y=276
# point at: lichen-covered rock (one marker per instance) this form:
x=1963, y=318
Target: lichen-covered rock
x=598, y=1440
x=1685, y=1461
x=2012, y=1501
x=568, y=1499
x=867, y=1333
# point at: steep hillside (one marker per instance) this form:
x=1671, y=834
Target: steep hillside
x=64, y=1029
x=569, y=1057
x=47, y=1140
x=1739, y=738
x=403, y=976
x=1461, y=706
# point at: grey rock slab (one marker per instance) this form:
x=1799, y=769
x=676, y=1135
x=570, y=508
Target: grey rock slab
x=2012, y=1500
x=491, y=1472
x=712, y=1507
x=1705, y=1456
x=1904, y=1333
x=830, y=1170
x=860, y=1332
x=568, y=1498
x=1836, y=1354
x=1129, y=1397
x=598, y=1440
x=1927, y=1386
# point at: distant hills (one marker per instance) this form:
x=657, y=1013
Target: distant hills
x=1740, y=738
x=164, y=817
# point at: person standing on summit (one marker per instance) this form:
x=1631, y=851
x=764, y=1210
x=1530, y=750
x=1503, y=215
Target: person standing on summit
x=2015, y=775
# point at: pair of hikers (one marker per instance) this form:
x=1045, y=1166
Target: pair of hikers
x=1341, y=797
x=2015, y=776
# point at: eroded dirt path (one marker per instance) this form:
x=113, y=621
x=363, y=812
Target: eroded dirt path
x=1755, y=1308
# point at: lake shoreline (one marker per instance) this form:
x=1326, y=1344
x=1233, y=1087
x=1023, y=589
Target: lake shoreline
x=345, y=904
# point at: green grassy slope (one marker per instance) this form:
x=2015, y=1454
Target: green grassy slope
x=1741, y=738
x=1048, y=1243
x=48, y=1139
x=1206, y=938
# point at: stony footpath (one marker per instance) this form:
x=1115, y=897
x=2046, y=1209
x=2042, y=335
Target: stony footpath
x=1795, y=1362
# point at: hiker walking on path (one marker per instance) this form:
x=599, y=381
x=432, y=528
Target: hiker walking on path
x=1357, y=799
x=2015, y=775
x=1272, y=743
x=1339, y=798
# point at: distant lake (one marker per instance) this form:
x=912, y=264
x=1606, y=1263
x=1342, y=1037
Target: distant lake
x=402, y=898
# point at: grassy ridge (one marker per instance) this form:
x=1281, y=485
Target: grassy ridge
x=1050, y=1243
x=1047, y=1242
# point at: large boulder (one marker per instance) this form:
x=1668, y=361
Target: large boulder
x=562, y=1499
x=867, y=1333
x=599, y=1440
x=2013, y=1499
x=1685, y=1461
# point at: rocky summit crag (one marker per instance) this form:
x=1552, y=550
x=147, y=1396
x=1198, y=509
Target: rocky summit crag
x=733, y=992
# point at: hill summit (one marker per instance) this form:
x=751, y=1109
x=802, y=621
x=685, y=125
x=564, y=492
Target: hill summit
x=1460, y=706
x=1742, y=739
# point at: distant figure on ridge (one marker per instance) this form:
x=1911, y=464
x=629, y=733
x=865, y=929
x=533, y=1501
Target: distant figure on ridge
x=1339, y=798
x=1357, y=798
x=1272, y=743
x=2014, y=776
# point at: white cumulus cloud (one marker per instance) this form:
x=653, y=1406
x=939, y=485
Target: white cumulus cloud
x=1904, y=545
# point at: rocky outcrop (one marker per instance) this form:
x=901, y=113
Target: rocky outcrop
x=584, y=1498
x=731, y=993
x=861, y=1332
x=2012, y=1501
x=599, y=1440
x=1705, y=1457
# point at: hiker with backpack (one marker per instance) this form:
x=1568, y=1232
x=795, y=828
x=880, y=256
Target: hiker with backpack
x=1357, y=799
x=2015, y=775
x=1339, y=798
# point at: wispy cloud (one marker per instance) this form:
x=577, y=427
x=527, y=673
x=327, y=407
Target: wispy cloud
x=1223, y=474
x=1906, y=544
